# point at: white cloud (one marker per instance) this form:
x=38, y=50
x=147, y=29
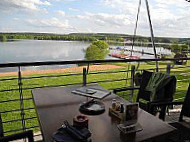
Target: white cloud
x=103, y=22
x=53, y=22
x=34, y=5
x=73, y=9
x=60, y=12
x=103, y=19
x=52, y=25
x=166, y=16
x=177, y=3
x=16, y=19
x=124, y=6
x=55, y=0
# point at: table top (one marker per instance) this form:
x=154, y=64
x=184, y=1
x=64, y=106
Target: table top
x=54, y=105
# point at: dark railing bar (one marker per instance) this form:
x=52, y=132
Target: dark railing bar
x=162, y=68
x=15, y=130
x=16, y=120
x=7, y=90
x=14, y=110
x=20, y=129
x=54, y=86
x=109, y=72
x=41, y=87
x=32, y=127
x=8, y=79
x=72, y=74
x=105, y=81
x=47, y=76
x=63, y=75
x=61, y=85
x=146, y=69
x=24, y=64
x=15, y=100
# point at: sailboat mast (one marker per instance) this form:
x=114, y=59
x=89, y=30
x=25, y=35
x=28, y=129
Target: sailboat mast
x=152, y=33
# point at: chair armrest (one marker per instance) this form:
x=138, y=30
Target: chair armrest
x=159, y=104
x=26, y=134
x=163, y=106
x=125, y=89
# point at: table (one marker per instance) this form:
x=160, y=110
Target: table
x=54, y=105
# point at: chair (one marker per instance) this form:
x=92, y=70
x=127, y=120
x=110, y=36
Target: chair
x=22, y=135
x=182, y=125
x=163, y=92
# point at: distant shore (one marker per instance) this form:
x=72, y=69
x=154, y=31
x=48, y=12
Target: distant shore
x=64, y=70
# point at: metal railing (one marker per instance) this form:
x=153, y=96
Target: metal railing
x=16, y=103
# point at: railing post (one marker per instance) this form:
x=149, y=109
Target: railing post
x=168, y=69
x=84, y=76
x=21, y=98
x=132, y=82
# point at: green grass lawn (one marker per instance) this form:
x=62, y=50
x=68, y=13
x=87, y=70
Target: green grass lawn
x=64, y=80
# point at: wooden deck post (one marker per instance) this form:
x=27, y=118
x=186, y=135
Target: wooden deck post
x=132, y=82
x=168, y=69
x=84, y=76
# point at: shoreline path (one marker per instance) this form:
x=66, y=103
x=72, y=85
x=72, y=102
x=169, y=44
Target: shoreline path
x=64, y=70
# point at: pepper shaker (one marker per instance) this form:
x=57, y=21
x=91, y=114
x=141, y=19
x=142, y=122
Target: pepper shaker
x=122, y=108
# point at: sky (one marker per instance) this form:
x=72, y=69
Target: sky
x=170, y=18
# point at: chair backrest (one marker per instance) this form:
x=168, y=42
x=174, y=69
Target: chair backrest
x=165, y=92
x=142, y=94
x=186, y=106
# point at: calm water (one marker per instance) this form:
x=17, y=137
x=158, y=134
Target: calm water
x=36, y=50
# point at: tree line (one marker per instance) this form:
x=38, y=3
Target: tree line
x=178, y=48
x=117, y=39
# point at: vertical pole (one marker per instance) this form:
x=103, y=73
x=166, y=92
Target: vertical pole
x=84, y=76
x=135, y=31
x=132, y=82
x=21, y=98
x=152, y=33
x=1, y=127
x=168, y=69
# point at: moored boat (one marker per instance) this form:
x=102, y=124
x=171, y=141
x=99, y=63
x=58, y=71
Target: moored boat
x=123, y=56
x=117, y=55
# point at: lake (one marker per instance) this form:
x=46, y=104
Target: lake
x=48, y=50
